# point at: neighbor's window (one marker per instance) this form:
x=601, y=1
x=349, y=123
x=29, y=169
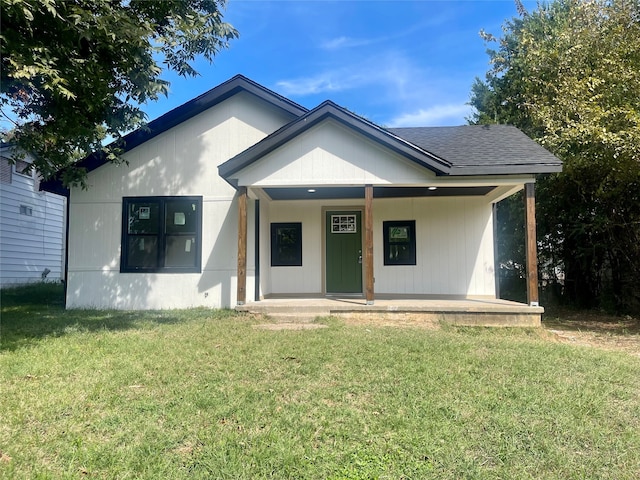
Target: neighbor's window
x=286, y=244
x=23, y=168
x=399, y=242
x=161, y=234
x=26, y=210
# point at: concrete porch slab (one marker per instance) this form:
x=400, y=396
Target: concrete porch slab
x=463, y=312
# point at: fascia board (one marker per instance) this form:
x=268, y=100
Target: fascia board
x=185, y=112
x=325, y=111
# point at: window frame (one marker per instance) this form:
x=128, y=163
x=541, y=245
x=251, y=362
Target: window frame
x=26, y=210
x=386, y=226
x=277, y=262
x=22, y=163
x=162, y=235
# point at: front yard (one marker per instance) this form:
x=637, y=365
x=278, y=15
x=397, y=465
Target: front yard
x=204, y=394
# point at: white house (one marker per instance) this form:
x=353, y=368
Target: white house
x=32, y=225
x=241, y=194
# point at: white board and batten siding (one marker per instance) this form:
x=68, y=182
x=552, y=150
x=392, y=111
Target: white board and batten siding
x=331, y=154
x=32, y=229
x=454, y=235
x=454, y=247
x=180, y=161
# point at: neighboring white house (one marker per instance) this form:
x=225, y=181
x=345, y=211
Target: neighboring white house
x=32, y=225
x=242, y=194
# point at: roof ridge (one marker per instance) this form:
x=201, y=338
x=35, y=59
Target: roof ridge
x=286, y=132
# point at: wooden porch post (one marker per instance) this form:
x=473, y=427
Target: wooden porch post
x=242, y=246
x=368, y=242
x=531, y=244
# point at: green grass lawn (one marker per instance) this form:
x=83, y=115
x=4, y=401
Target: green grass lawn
x=203, y=394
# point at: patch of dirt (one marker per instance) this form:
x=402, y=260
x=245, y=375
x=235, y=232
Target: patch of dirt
x=594, y=329
x=399, y=319
x=586, y=328
x=289, y=326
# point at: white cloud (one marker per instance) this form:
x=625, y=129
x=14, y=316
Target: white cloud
x=388, y=70
x=347, y=42
x=438, y=115
x=324, y=82
x=391, y=88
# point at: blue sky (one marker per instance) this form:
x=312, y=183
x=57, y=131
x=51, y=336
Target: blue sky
x=397, y=63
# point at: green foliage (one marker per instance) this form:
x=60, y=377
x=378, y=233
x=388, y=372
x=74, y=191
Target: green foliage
x=75, y=73
x=568, y=74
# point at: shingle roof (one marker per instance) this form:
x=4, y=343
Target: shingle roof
x=464, y=150
x=482, y=149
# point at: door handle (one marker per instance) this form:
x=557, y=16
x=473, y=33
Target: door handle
x=360, y=256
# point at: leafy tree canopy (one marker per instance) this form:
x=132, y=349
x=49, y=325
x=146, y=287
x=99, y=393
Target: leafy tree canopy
x=75, y=72
x=568, y=74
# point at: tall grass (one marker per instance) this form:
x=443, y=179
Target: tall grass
x=203, y=394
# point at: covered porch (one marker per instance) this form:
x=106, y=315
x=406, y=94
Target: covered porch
x=343, y=217
x=451, y=276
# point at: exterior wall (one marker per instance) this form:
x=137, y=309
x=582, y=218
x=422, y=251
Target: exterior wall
x=306, y=279
x=180, y=161
x=454, y=234
x=331, y=154
x=454, y=247
x=265, y=253
x=29, y=244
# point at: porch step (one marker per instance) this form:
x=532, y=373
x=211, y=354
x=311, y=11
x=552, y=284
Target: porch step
x=293, y=317
x=287, y=313
x=469, y=312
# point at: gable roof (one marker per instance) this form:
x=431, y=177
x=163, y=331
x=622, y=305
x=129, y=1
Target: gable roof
x=190, y=109
x=216, y=95
x=483, y=149
x=463, y=150
x=329, y=110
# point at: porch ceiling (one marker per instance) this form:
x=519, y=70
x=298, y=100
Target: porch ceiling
x=324, y=193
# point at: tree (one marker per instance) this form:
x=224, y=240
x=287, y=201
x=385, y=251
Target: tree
x=568, y=74
x=76, y=72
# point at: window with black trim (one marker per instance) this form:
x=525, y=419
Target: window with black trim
x=399, y=242
x=161, y=234
x=286, y=244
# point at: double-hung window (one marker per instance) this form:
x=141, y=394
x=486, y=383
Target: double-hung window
x=161, y=234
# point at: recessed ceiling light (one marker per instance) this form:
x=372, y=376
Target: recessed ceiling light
x=311, y=190
x=433, y=188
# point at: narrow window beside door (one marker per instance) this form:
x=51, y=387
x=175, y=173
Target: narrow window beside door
x=286, y=244
x=399, y=242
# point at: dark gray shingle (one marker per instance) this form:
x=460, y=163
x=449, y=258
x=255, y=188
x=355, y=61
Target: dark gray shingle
x=481, y=148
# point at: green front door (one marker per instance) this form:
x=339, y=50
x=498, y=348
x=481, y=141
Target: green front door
x=344, y=252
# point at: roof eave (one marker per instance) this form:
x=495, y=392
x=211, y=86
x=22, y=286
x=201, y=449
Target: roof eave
x=314, y=117
x=186, y=111
x=460, y=170
x=54, y=186
x=205, y=101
